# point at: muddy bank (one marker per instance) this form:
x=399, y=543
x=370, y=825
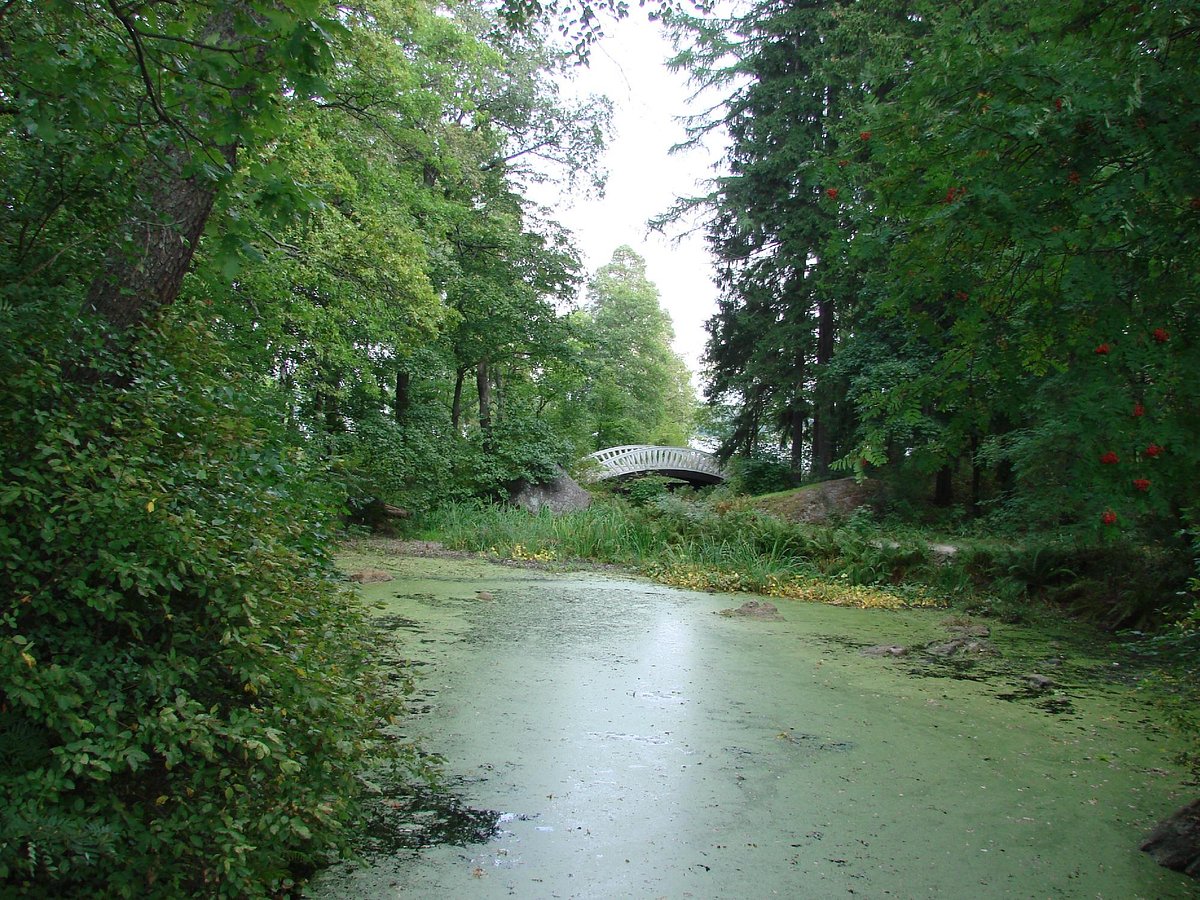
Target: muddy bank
x=606, y=736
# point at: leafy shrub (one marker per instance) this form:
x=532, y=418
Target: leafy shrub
x=423, y=464
x=647, y=489
x=406, y=465
x=521, y=448
x=760, y=474
x=186, y=693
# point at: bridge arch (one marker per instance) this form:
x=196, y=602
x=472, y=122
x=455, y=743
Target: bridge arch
x=632, y=460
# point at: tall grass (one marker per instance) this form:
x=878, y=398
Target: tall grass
x=689, y=544
x=610, y=532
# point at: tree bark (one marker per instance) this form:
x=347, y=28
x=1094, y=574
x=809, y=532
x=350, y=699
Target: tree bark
x=822, y=427
x=796, y=422
x=403, y=396
x=456, y=406
x=976, y=476
x=943, y=488
x=797, y=415
x=483, y=385
x=143, y=274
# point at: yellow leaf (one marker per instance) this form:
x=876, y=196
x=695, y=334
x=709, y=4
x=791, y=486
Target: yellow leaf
x=150, y=507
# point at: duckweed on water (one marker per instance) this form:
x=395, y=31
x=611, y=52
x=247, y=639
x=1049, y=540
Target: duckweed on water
x=647, y=747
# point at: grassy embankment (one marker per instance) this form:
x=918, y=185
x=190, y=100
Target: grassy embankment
x=736, y=545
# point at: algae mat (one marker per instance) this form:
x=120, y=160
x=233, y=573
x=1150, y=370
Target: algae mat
x=608, y=737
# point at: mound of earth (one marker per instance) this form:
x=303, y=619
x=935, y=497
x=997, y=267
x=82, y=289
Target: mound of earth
x=371, y=576
x=816, y=504
x=754, y=609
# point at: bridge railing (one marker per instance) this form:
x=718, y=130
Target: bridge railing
x=633, y=458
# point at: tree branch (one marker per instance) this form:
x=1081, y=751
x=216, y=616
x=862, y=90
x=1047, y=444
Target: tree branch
x=143, y=69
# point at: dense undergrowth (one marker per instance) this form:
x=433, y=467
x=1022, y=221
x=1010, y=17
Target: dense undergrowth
x=187, y=695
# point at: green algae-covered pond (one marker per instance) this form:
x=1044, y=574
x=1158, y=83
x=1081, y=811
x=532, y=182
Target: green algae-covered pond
x=609, y=737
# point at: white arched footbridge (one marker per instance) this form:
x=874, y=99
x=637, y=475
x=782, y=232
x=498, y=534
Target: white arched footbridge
x=632, y=460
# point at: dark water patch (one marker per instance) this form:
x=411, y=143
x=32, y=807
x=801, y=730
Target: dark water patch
x=813, y=742
x=838, y=640
x=415, y=817
x=954, y=668
x=1054, y=703
x=396, y=623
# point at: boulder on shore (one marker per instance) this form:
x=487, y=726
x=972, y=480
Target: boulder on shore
x=560, y=494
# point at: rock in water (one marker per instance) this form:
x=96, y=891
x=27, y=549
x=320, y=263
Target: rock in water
x=1041, y=682
x=371, y=576
x=962, y=646
x=1175, y=842
x=755, y=609
x=885, y=650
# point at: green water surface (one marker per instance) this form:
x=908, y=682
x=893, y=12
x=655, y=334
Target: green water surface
x=610, y=737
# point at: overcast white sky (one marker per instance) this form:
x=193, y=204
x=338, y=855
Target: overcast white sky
x=643, y=180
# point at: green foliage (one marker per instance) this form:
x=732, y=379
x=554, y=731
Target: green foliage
x=998, y=204
x=729, y=544
x=776, y=221
x=604, y=532
x=187, y=693
x=409, y=465
x=1040, y=164
x=635, y=389
x=1175, y=684
x=760, y=473
x=647, y=489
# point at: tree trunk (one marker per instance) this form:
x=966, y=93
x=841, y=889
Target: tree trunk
x=796, y=421
x=822, y=427
x=943, y=489
x=334, y=423
x=483, y=385
x=403, y=396
x=142, y=275
x=456, y=407
x=976, y=476
x=797, y=415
